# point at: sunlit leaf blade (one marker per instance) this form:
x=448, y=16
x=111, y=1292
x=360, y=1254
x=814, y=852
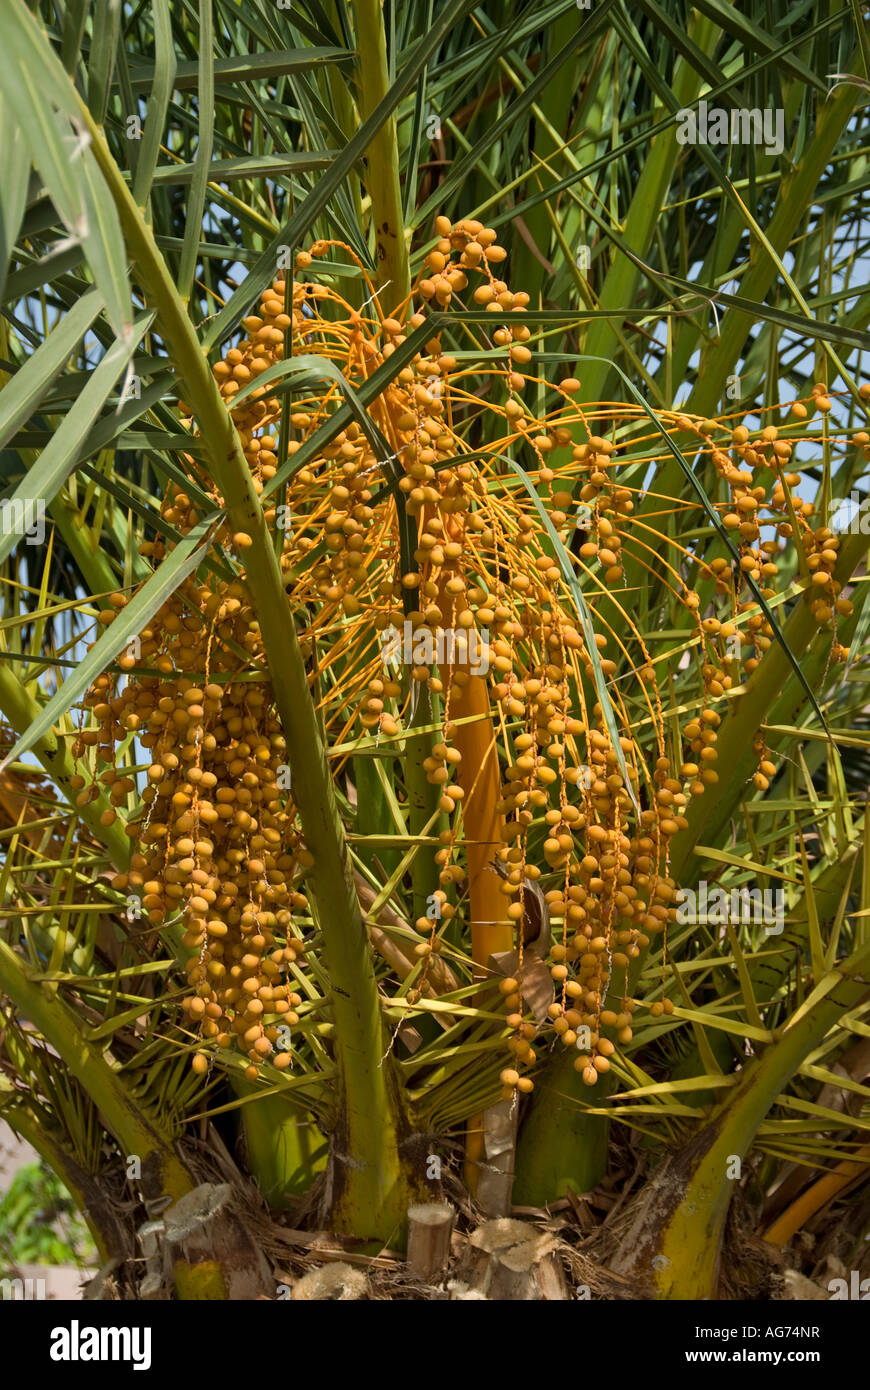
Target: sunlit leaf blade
x=45, y=107
x=13, y=187
x=172, y=571
x=159, y=95
x=23, y=392
x=61, y=455
x=101, y=57
x=205, y=142
x=246, y=67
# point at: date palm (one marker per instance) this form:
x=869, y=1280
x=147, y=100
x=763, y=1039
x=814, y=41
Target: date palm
x=327, y=320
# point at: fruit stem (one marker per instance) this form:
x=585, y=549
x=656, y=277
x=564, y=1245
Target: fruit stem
x=381, y=159
x=369, y=1195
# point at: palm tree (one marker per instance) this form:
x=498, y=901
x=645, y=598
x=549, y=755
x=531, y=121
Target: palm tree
x=429, y=604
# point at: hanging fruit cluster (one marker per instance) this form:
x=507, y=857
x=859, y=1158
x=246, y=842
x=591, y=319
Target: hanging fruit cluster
x=216, y=846
x=462, y=514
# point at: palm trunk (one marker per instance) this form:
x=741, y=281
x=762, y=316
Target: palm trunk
x=491, y=931
x=382, y=157
x=228, y=1266
x=673, y=1247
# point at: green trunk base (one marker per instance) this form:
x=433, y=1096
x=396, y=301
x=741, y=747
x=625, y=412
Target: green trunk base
x=202, y=1281
x=285, y=1150
x=560, y=1146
